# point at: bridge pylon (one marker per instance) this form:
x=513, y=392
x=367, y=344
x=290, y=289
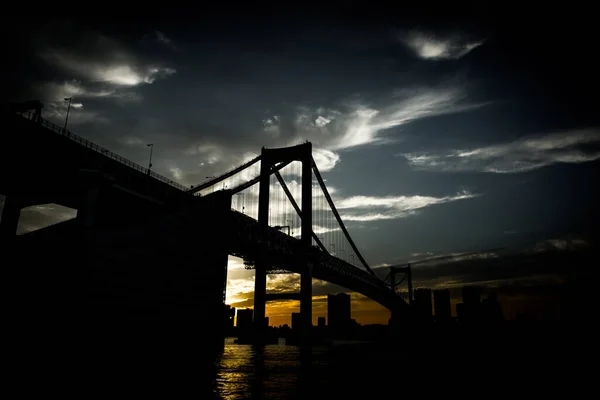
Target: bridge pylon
x=270, y=157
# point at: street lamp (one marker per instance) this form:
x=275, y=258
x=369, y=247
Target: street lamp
x=151, y=145
x=68, y=108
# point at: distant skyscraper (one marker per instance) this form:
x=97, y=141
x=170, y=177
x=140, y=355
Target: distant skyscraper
x=491, y=310
x=339, y=310
x=441, y=303
x=296, y=321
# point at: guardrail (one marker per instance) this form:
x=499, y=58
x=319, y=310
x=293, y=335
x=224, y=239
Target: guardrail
x=105, y=152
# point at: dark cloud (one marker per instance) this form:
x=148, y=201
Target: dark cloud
x=549, y=261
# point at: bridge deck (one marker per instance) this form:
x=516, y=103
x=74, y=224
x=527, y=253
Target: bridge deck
x=49, y=168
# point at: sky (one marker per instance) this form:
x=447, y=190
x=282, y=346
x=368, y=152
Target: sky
x=435, y=135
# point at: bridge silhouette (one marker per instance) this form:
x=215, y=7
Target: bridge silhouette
x=139, y=232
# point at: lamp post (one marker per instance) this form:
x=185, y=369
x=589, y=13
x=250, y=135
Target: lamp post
x=151, y=145
x=68, y=109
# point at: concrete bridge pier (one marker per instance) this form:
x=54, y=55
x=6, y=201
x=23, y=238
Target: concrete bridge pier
x=306, y=300
x=260, y=295
x=93, y=183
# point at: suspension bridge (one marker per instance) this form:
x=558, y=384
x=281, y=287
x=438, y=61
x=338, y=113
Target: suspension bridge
x=274, y=211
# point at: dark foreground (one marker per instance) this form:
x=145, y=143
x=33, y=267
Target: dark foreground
x=534, y=360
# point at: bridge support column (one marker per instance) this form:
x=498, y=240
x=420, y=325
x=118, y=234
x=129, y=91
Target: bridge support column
x=260, y=277
x=260, y=294
x=306, y=239
x=269, y=157
x=306, y=299
x=10, y=218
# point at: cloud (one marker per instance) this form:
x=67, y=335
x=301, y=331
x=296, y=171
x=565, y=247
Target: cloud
x=88, y=65
x=370, y=208
x=359, y=123
x=326, y=160
x=431, y=47
x=552, y=260
x=98, y=58
x=522, y=155
x=93, y=66
x=56, y=91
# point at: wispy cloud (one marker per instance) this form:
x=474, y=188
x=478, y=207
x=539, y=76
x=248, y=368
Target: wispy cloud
x=359, y=123
x=56, y=91
x=95, y=66
x=434, y=47
x=370, y=208
x=105, y=60
x=326, y=160
x=525, y=154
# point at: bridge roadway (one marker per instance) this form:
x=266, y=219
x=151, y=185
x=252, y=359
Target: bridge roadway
x=42, y=163
x=283, y=249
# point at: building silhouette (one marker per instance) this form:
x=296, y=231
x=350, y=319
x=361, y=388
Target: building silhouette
x=244, y=319
x=229, y=316
x=338, y=311
x=423, y=304
x=491, y=310
x=442, y=306
x=321, y=322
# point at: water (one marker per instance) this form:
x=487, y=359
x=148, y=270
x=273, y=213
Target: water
x=273, y=371
x=361, y=370
x=345, y=369
x=169, y=366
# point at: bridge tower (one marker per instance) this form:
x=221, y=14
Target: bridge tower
x=269, y=158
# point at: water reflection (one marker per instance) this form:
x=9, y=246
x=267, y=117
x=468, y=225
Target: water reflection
x=268, y=372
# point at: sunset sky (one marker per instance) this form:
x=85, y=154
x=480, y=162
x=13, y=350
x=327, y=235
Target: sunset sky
x=435, y=136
